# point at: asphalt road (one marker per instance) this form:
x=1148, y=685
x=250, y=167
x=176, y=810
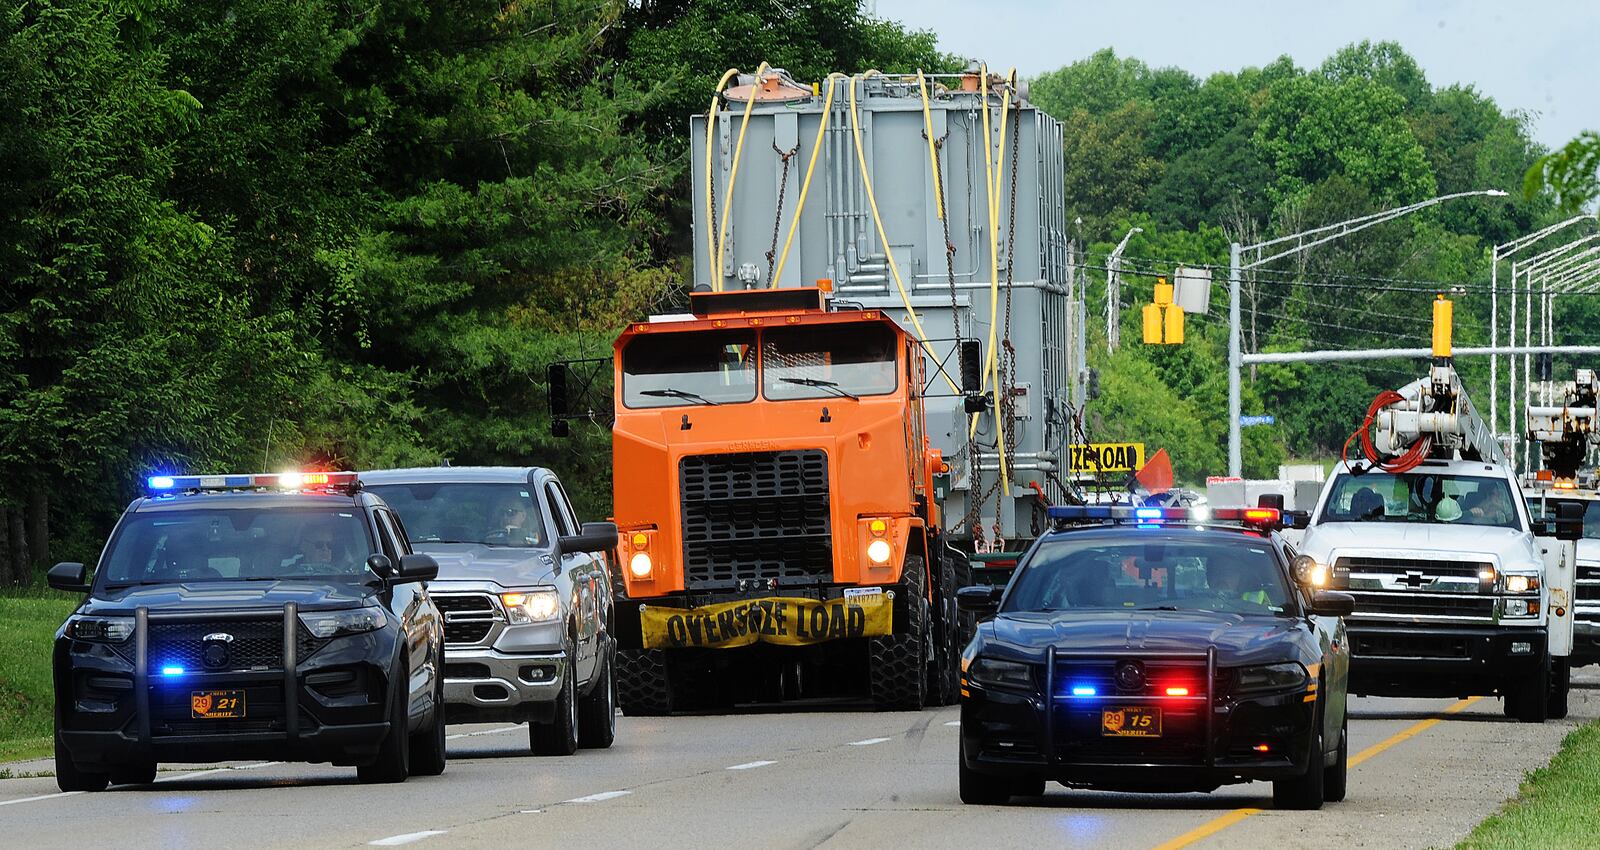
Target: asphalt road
x=1423, y=773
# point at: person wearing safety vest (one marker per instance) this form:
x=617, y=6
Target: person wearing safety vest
x=1226, y=579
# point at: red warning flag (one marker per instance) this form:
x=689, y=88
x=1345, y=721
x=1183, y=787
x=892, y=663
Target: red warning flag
x=1156, y=475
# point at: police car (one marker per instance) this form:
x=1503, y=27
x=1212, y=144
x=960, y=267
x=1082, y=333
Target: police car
x=1156, y=649
x=277, y=617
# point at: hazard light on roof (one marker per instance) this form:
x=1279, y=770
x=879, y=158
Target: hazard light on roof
x=169, y=484
x=1155, y=516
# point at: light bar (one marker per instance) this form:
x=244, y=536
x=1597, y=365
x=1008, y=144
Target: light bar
x=172, y=671
x=1083, y=691
x=168, y=484
x=1266, y=517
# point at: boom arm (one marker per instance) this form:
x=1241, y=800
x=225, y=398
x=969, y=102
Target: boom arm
x=1566, y=433
x=1438, y=409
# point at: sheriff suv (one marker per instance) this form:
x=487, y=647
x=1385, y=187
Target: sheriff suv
x=526, y=595
x=277, y=617
x=1154, y=650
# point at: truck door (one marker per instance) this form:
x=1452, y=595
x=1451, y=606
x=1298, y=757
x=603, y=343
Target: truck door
x=579, y=567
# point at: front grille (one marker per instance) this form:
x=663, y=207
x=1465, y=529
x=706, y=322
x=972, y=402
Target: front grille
x=1159, y=674
x=1408, y=646
x=171, y=712
x=256, y=644
x=756, y=515
x=1401, y=566
x=468, y=617
x=1423, y=605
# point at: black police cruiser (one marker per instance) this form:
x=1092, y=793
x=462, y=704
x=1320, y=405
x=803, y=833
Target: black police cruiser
x=250, y=616
x=1156, y=649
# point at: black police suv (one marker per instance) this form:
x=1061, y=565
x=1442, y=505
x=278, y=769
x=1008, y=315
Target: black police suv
x=250, y=616
x=1156, y=649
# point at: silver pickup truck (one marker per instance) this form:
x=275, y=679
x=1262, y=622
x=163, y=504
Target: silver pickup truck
x=526, y=597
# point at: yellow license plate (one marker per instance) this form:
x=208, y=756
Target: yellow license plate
x=216, y=705
x=1140, y=721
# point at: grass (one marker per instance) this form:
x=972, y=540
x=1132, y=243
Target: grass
x=1555, y=807
x=28, y=622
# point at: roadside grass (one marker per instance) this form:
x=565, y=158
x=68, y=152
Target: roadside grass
x=28, y=621
x=1555, y=807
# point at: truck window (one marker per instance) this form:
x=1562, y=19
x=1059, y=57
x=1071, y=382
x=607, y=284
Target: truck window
x=1422, y=497
x=683, y=369
x=1542, y=507
x=172, y=547
x=489, y=513
x=829, y=360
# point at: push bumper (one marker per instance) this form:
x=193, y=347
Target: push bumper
x=1416, y=661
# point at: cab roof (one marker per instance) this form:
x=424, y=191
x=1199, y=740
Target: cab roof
x=246, y=500
x=453, y=475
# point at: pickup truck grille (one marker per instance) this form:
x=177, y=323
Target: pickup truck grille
x=468, y=617
x=1419, y=604
x=1401, y=566
x=1414, y=589
x=755, y=515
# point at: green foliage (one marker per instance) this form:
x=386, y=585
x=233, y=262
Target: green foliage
x=1572, y=174
x=27, y=627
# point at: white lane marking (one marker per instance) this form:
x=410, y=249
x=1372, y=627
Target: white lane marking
x=193, y=775
x=868, y=742
x=40, y=797
x=751, y=764
x=530, y=811
x=954, y=723
x=457, y=735
x=257, y=764
x=397, y=840
x=603, y=795
x=494, y=731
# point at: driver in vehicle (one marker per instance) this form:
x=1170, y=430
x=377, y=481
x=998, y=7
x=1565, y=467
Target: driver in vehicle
x=512, y=516
x=1491, y=508
x=1228, y=580
x=319, y=552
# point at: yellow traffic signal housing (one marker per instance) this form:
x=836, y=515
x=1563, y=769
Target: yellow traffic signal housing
x=1163, y=320
x=1443, y=318
x=1172, y=324
x=1152, y=324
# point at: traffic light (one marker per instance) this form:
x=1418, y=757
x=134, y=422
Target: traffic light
x=1163, y=320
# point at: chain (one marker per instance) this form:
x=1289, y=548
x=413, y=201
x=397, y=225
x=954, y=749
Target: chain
x=712, y=274
x=777, y=222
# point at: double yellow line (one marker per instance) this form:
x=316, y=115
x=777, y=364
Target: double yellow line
x=1222, y=822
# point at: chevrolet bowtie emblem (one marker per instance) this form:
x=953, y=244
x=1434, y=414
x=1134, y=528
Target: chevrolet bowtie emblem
x=1415, y=580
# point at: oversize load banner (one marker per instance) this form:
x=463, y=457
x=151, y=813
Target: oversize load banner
x=781, y=620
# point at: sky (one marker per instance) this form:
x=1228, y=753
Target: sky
x=1537, y=56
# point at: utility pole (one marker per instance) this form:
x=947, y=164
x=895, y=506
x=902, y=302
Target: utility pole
x=1114, y=291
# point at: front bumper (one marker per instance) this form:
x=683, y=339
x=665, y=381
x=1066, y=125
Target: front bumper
x=1207, y=740
x=485, y=685
x=1418, y=661
x=1585, y=642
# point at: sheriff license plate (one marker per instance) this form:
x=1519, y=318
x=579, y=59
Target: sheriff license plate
x=216, y=705
x=1131, y=722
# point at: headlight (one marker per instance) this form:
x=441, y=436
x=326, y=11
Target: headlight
x=100, y=629
x=640, y=565
x=327, y=624
x=878, y=551
x=1522, y=584
x=533, y=606
x=1009, y=674
x=1272, y=677
x=1521, y=607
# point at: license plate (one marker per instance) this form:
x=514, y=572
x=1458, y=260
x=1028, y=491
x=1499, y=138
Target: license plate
x=1140, y=721
x=216, y=705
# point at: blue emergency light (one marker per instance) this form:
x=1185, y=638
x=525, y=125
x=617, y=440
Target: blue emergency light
x=172, y=671
x=1083, y=690
x=1152, y=517
x=161, y=485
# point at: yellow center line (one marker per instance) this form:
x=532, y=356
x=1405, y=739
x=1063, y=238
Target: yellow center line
x=1222, y=822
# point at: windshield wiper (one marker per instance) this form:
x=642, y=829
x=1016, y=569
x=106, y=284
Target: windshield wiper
x=831, y=386
x=1160, y=608
x=672, y=392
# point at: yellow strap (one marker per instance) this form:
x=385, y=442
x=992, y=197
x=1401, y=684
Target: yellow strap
x=805, y=186
x=733, y=177
x=933, y=156
x=877, y=219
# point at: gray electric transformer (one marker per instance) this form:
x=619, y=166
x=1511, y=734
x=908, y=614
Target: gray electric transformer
x=838, y=240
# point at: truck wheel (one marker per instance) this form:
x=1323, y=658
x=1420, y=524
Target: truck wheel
x=897, y=664
x=642, y=682
x=943, y=680
x=427, y=746
x=1560, y=683
x=1533, y=697
x=393, y=763
x=1305, y=791
x=559, y=737
x=597, y=716
x=70, y=778
x=1334, y=778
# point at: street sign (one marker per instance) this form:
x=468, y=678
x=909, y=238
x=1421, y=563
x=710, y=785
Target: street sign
x=1264, y=419
x=1107, y=457
x=1222, y=479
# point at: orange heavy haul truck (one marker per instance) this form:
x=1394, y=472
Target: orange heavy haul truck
x=801, y=480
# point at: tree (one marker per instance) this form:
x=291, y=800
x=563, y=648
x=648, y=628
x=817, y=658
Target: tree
x=1572, y=174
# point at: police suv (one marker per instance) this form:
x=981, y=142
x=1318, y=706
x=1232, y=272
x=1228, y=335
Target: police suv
x=274, y=617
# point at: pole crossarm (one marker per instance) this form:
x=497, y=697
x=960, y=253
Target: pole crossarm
x=1565, y=264
x=1414, y=353
x=1521, y=242
x=1345, y=228
x=1554, y=255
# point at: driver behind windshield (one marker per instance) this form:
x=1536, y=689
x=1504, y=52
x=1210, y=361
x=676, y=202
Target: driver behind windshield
x=511, y=524
x=321, y=552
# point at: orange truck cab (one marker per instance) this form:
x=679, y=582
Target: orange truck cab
x=777, y=536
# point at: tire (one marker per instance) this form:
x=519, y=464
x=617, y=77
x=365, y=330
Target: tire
x=1304, y=792
x=943, y=676
x=1560, y=684
x=134, y=773
x=393, y=763
x=597, y=715
x=983, y=789
x=70, y=778
x=428, y=755
x=1335, y=778
x=643, y=686
x=897, y=664
x=559, y=737
x=1533, y=695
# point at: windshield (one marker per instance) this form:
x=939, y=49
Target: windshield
x=169, y=547
x=1543, y=507
x=819, y=361
x=1422, y=497
x=674, y=369
x=1152, y=572
x=495, y=514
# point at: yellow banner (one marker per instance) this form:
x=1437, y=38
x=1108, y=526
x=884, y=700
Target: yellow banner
x=782, y=620
x=1107, y=457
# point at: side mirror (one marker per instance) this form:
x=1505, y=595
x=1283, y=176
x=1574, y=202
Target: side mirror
x=1329, y=603
x=556, y=380
x=417, y=567
x=69, y=576
x=1569, y=521
x=982, y=599
x=380, y=564
x=595, y=537
x=1270, y=500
